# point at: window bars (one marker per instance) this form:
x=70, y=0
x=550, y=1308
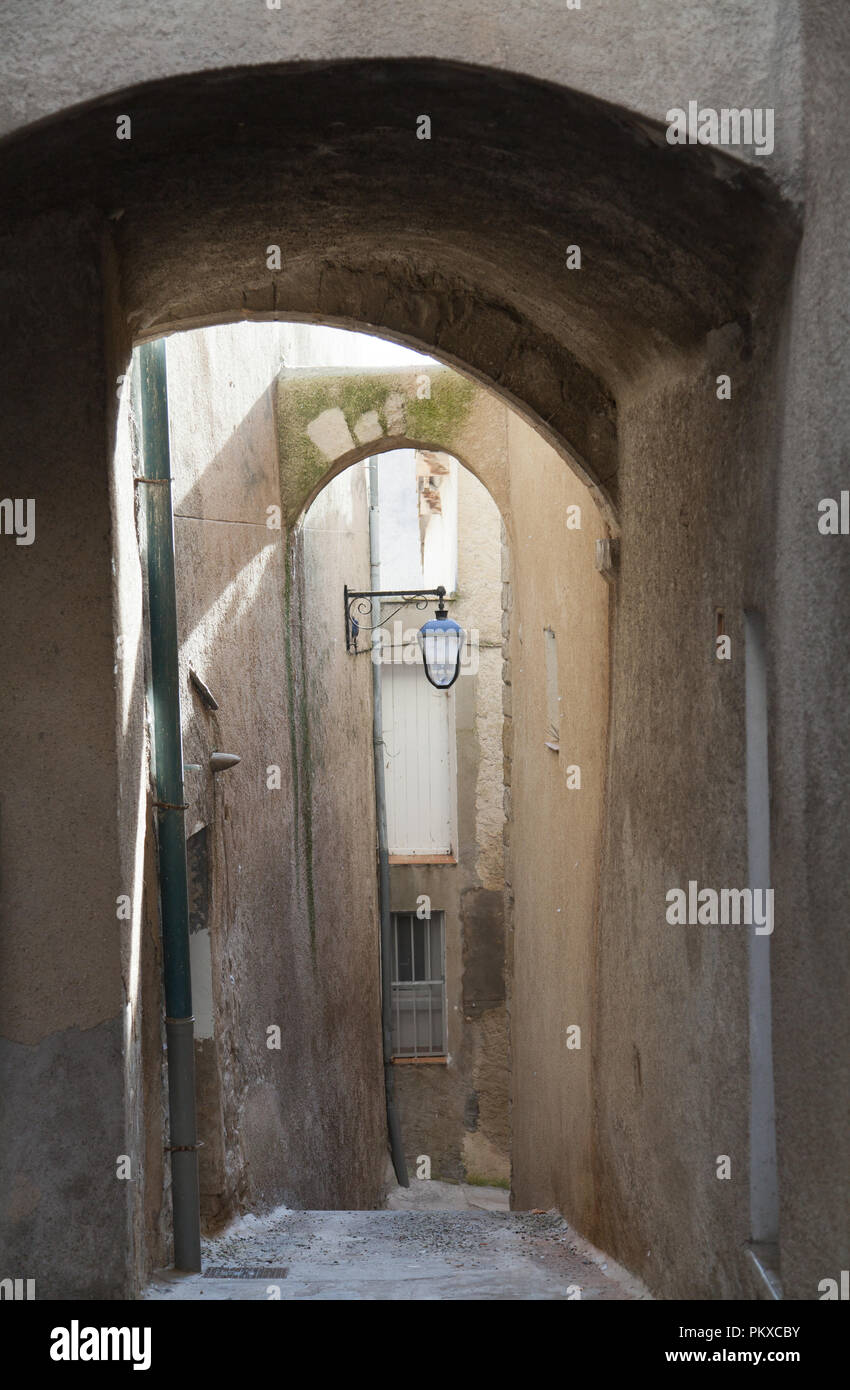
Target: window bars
x=419, y=985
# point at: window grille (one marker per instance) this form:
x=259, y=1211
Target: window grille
x=419, y=985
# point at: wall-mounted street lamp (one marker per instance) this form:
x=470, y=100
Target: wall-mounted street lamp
x=440, y=639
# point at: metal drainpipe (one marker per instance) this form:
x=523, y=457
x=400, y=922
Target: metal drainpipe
x=168, y=753
x=393, y=1124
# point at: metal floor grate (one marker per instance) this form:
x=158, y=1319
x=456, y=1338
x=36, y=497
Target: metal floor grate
x=245, y=1272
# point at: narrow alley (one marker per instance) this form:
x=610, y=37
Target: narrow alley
x=438, y=1241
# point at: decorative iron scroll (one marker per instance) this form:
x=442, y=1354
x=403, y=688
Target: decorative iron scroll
x=359, y=604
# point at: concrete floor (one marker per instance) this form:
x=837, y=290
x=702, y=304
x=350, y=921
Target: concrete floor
x=435, y=1241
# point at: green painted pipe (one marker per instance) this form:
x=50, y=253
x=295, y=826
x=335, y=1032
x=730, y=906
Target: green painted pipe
x=393, y=1120
x=168, y=757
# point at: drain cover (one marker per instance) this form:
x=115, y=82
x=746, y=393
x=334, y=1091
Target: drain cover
x=245, y=1272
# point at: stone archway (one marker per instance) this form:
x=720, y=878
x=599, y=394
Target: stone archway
x=458, y=244
x=329, y=421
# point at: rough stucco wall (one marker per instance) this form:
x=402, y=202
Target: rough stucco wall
x=229, y=585
x=63, y=860
x=479, y=606
x=810, y=744
x=671, y=1039
x=304, y=1123
x=341, y=1056
x=555, y=830
x=480, y=879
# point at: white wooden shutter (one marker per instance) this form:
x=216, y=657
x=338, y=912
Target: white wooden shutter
x=418, y=761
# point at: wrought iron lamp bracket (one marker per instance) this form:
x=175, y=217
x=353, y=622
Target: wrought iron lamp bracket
x=359, y=604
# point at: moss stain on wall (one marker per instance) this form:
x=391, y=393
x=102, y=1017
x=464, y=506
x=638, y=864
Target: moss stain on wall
x=306, y=769
x=440, y=417
x=299, y=735
x=436, y=419
x=290, y=691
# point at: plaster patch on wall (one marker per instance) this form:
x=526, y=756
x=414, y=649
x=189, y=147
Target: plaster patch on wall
x=482, y=916
x=394, y=412
x=200, y=962
x=368, y=427
x=330, y=433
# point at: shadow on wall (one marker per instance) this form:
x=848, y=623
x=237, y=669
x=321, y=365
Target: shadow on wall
x=289, y=1085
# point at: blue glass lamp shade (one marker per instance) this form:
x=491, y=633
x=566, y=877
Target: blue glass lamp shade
x=441, y=640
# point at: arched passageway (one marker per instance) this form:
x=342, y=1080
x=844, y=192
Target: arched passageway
x=289, y=935
x=459, y=246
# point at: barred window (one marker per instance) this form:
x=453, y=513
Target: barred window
x=419, y=985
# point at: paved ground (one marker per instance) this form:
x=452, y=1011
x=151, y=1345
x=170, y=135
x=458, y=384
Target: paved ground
x=436, y=1241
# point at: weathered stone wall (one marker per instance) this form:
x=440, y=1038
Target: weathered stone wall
x=809, y=623
x=70, y=788
x=671, y=1002
x=230, y=580
x=283, y=933
x=555, y=822
x=340, y=1061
